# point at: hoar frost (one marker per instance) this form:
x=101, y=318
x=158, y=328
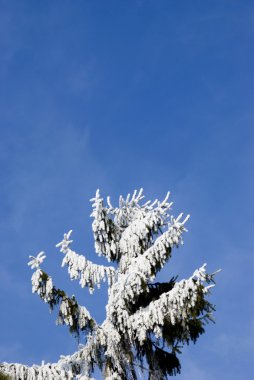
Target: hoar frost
x=146, y=322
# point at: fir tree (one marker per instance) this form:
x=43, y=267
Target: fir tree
x=146, y=322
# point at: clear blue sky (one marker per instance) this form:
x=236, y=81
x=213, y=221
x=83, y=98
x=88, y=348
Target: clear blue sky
x=121, y=95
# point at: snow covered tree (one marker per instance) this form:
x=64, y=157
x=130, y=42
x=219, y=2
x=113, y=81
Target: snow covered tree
x=146, y=322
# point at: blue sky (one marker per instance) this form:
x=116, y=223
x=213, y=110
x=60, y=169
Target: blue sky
x=121, y=95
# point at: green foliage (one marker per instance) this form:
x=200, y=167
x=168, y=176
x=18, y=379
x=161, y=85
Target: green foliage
x=162, y=361
x=154, y=292
x=4, y=377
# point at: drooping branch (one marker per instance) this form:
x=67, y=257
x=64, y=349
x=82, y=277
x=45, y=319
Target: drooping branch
x=79, y=267
x=181, y=304
x=70, y=312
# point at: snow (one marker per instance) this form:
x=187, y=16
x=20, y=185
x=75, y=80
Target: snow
x=37, y=261
x=79, y=267
x=140, y=238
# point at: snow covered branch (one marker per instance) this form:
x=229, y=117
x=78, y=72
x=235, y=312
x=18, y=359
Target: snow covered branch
x=53, y=371
x=70, y=313
x=155, y=257
x=178, y=306
x=79, y=267
x=106, y=233
x=110, y=226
